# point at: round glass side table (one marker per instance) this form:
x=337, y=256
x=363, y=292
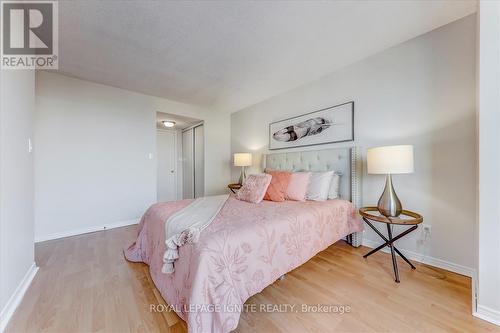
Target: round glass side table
x=408, y=218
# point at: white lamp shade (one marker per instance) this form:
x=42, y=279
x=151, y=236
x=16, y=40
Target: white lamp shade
x=242, y=159
x=390, y=159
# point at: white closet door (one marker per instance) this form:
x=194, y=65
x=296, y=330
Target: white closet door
x=199, y=162
x=188, y=164
x=166, y=173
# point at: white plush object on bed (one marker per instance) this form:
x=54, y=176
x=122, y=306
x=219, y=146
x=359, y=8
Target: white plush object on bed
x=319, y=186
x=186, y=225
x=334, y=191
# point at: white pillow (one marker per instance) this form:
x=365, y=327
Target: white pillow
x=334, y=191
x=319, y=185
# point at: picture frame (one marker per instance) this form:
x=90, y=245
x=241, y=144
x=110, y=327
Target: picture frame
x=329, y=125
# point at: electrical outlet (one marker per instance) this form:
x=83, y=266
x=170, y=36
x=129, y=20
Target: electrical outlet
x=426, y=232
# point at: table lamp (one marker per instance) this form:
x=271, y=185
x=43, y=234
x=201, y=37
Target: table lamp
x=242, y=160
x=390, y=160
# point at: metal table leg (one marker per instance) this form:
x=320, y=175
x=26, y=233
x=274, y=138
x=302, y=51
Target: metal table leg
x=394, y=261
x=390, y=242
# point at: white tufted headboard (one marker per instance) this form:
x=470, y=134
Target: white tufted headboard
x=346, y=161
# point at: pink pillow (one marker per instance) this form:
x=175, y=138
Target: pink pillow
x=279, y=183
x=297, y=187
x=255, y=188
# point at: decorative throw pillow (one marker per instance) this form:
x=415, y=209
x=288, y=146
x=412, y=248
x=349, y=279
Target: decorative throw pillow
x=254, y=188
x=297, y=187
x=319, y=185
x=278, y=186
x=334, y=192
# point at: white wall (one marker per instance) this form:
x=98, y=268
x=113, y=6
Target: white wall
x=17, y=267
x=421, y=92
x=488, y=302
x=91, y=163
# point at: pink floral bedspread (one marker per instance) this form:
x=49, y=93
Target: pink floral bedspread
x=245, y=249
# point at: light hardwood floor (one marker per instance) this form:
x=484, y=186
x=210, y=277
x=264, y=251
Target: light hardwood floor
x=85, y=285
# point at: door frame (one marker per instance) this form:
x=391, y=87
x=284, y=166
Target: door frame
x=176, y=157
x=192, y=127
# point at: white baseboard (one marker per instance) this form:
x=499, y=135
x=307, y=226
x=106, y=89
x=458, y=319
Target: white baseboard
x=85, y=230
x=449, y=266
x=17, y=297
x=488, y=314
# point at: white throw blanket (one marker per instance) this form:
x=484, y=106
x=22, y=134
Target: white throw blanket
x=186, y=225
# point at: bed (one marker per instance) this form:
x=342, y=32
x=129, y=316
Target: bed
x=249, y=246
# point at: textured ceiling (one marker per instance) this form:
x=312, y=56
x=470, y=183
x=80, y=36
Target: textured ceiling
x=226, y=55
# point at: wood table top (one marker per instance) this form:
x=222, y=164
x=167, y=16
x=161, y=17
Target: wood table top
x=406, y=218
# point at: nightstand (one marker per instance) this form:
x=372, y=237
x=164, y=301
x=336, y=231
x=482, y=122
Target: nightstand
x=406, y=218
x=234, y=187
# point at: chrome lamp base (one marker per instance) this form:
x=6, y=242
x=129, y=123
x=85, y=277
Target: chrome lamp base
x=243, y=176
x=389, y=204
